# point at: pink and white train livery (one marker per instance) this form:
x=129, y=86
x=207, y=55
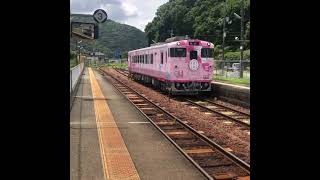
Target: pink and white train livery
x=180, y=66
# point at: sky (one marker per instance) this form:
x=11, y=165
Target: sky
x=136, y=13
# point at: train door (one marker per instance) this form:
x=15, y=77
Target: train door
x=161, y=63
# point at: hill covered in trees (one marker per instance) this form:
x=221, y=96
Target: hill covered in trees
x=201, y=19
x=112, y=35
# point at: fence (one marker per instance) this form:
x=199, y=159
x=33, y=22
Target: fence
x=75, y=74
x=231, y=68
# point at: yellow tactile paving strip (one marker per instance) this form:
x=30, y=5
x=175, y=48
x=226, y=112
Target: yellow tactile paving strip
x=117, y=162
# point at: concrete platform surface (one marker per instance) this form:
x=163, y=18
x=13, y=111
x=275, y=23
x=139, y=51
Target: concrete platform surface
x=154, y=157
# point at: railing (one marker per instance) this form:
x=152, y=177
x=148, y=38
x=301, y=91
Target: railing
x=75, y=74
x=230, y=68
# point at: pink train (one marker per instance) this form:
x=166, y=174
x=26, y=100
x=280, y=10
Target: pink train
x=179, y=65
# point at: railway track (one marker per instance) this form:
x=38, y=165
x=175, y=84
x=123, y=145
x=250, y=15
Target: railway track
x=212, y=160
x=122, y=71
x=208, y=106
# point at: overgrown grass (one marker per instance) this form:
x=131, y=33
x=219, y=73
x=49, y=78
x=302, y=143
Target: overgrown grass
x=237, y=81
x=122, y=65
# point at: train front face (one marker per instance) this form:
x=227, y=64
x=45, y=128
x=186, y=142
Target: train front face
x=191, y=66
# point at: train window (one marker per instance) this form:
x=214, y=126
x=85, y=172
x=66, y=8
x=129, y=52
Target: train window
x=146, y=59
x=161, y=58
x=193, y=54
x=207, y=52
x=178, y=52
x=151, y=58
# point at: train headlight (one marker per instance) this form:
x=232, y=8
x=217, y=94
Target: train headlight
x=178, y=43
x=208, y=44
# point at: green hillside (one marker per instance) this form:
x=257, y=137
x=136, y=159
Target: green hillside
x=112, y=35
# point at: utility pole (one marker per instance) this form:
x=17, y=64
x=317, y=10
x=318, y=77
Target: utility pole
x=242, y=40
x=224, y=33
x=171, y=33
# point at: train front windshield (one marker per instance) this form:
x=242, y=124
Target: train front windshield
x=178, y=52
x=207, y=52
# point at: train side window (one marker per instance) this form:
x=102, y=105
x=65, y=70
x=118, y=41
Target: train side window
x=151, y=58
x=146, y=59
x=161, y=58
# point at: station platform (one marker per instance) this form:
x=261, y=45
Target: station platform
x=231, y=85
x=235, y=94
x=110, y=139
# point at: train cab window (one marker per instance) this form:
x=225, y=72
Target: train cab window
x=151, y=58
x=161, y=58
x=207, y=52
x=178, y=52
x=193, y=54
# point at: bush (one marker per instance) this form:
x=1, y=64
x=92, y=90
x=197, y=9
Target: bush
x=236, y=55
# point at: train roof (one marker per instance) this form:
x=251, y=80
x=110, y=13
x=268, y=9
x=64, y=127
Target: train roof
x=169, y=41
